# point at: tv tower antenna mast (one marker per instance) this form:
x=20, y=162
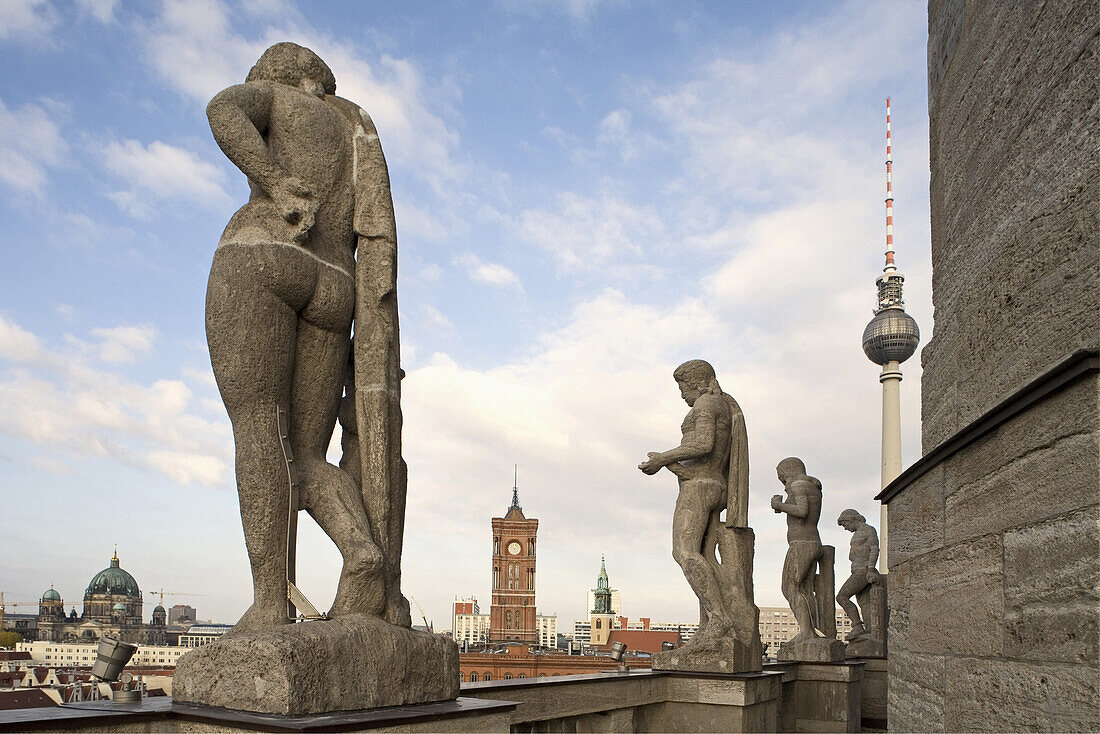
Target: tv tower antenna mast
x=889, y=339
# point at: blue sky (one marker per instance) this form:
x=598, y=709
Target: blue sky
x=588, y=193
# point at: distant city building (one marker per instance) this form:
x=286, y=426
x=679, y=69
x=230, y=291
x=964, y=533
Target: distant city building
x=182, y=614
x=468, y=624
x=198, y=635
x=112, y=605
x=512, y=615
x=520, y=661
x=600, y=616
x=778, y=625
x=547, y=628
x=83, y=654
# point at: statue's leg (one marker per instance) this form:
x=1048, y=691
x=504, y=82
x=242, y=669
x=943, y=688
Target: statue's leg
x=251, y=331
x=848, y=589
x=798, y=586
x=327, y=491
x=689, y=524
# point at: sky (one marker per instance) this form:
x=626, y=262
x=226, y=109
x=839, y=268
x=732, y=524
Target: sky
x=587, y=193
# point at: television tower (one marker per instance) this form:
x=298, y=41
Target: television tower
x=890, y=339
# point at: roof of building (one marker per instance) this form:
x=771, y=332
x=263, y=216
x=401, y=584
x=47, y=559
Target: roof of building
x=641, y=640
x=51, y=594
x=6, y=655
x=114, y=580
x=26, y=698
x=208, y=629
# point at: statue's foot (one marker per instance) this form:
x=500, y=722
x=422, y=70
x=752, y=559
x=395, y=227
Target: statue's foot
x=803, y=637
x=359, y=594
x=859, y=632
x=260, y=617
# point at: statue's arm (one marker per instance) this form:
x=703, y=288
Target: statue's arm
x=697, y=442
x=798, y=506
x=239, y=118
x=872, y=547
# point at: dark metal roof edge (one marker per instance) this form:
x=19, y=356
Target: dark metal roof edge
x=1077, y=364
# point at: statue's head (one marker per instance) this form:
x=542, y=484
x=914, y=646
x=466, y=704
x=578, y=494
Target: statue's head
x=790, y=468
x=696, y=377
x=850, y=520
x=296, y=66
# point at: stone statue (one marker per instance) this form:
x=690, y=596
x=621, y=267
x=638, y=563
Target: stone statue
x=712, y=466
x=868, y=636
x=314, y=248
x=807, y=569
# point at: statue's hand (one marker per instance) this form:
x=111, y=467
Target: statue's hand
x=652, y=466
x=297, y=206
x=777, y=500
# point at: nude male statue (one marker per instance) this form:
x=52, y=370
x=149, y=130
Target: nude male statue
x=864, y=556
x=803, y=509
x=711, y=464
x=279, y=307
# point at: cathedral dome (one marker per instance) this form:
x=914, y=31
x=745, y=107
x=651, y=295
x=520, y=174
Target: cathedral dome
x=119, y=607
x=51, y=595
x=114, y=580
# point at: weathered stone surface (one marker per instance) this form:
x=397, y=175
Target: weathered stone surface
x=822, y=698
x=956, y=602
x=867, y=585
x=916, y=695
x=316, y=667
x=712, y=466
x=874, y=689
x=1048, y=481
x=1002, y=695
x=816, y=650
x=1012, y=101
x=1052, y=589
x=916, y=518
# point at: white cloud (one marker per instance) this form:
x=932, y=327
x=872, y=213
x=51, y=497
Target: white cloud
x=163, y=171
x=102, y=10
x=122, y=343
x=488, y=273
x=582, y=232
x=195, y=46
x=31, y=142
x=61, y=399
x=27, y=19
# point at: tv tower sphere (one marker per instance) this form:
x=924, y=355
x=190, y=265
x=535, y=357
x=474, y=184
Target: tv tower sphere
x=891, y=336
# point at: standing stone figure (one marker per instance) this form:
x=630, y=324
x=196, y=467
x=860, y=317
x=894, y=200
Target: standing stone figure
x=868, y=635
x=712, y=466
x=807, y=569
x=314, y=248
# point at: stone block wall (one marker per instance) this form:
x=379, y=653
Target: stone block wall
x=994, y=541
x=1013, y=109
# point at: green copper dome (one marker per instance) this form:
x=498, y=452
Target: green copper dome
x=113, y=580
x=119, y=607
x=51, y=595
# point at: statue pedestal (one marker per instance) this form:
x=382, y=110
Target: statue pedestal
x=725, y=655
x=817, y=650
x=344, y=664
x=820, y=697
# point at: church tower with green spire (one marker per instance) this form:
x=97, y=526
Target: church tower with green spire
x=600, y=617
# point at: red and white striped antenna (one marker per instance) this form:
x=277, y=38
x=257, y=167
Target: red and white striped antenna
x=889, y=196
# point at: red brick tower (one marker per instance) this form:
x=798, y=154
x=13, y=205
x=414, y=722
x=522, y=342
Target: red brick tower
x=512, y=613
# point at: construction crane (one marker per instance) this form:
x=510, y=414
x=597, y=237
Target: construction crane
x=422, y=615
x=162, y=593
x=12, y=604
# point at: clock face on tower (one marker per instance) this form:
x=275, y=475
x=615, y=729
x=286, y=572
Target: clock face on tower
x=514, y=548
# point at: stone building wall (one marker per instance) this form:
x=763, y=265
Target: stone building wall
x=1013, y=106
x=994, y=543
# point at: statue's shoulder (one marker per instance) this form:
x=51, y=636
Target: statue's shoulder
x=806, y=485
x=708, y=403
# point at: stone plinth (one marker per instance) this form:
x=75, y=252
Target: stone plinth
x=341, y=664
x=874, y=691
x=817, y=650
x=820, y=697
